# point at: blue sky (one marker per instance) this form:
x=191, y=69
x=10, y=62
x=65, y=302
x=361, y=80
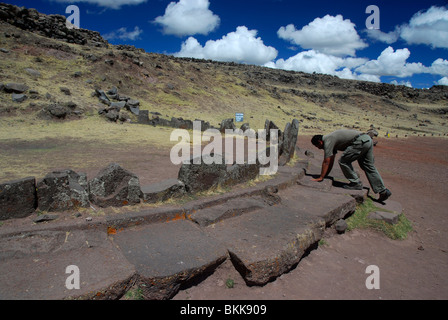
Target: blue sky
x=331, y=37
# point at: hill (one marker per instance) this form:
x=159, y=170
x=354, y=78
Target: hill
x=62, y=69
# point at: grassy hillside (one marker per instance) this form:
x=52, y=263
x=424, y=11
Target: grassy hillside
x=188, y=88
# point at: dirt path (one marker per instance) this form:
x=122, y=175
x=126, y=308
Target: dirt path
x=415, y=170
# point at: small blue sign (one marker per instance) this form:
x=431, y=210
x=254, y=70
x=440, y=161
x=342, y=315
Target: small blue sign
x=239, y=117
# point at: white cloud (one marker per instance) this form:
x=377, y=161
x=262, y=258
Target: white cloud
x=313, y=61
x=392, y=63
x=329, y=35
x=124, y=34
x=112, y=4
x=443, y=81
x=388, y=38
x=188, y=17
x=430, y=28
x=402, y=83
x=439, y=67
x=240, y=46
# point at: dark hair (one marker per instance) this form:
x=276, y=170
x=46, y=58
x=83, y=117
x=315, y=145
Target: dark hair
x=315, y=139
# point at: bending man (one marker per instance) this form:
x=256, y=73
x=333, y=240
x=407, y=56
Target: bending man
x=356, y=146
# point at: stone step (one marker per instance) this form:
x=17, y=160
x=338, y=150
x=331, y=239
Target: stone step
x=229, y=209
x=329, y=206
x=167, y=255
x=267, y=242
x=40, y=261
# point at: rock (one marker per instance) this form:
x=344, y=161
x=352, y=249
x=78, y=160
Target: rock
x=117, y=105
x=238, y=173
x=103, y=97
x=15, y=88
x=245, y=127
x=112, y=115
x=18, y=198
x=133, y=106
x=109, y=62
x=143, y=117
x=65, y=90
x=341, y=226
x=58, y=111
x=45, y=217
x=33, y=72
x=19, y=97
x=162, y=191
x=202, y=176
x=113, y=91
x=227, y=124
x=389, y=217
x=289, y=142
x=180, y=123
x=270, y=125
x=115, y=186
x=62, y=190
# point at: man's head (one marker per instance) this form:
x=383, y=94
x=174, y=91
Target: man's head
x=317, y=141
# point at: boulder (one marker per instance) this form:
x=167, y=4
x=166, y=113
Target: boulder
x=238, y=173
x=65, y=90
x=62, y=190
x=201, y=177
x=18, y=198
x=143, y=117
x=162, y=191
x=227, y=124
x=180, y=123
x=289, y=142
x=19, y=97
x=58, y=111
x=114, y=186
x=102, y=96
x=15, y=88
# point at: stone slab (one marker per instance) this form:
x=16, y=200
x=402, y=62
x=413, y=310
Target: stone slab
x=389, y=217
x=169, y=254
x=40, y=260
x=390, y=205
x=268, y=242
x=229, y=209
x=328, y=206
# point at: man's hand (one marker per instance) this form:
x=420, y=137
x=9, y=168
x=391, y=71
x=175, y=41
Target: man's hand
x=327, y=165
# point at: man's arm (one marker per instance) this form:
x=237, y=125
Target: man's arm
x=327, y=165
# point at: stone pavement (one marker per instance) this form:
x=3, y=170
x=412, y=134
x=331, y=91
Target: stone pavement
x=264, y=230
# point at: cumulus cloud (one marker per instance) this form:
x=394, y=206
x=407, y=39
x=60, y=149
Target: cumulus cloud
x=112, y=4
x=428, y=27
x=329, y=35
x=389, y=37
x=240, y=46
x=392, y=63
x=439, y=67
x=402, y=83
x=188, y=17
x=124, y=34
x=443, y=81
x=313, y=61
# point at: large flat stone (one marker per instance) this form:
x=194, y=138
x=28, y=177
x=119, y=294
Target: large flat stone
x=268, y=242
x=166, y=255
x=229, y=209
x=34, y=266
x=328, y=206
